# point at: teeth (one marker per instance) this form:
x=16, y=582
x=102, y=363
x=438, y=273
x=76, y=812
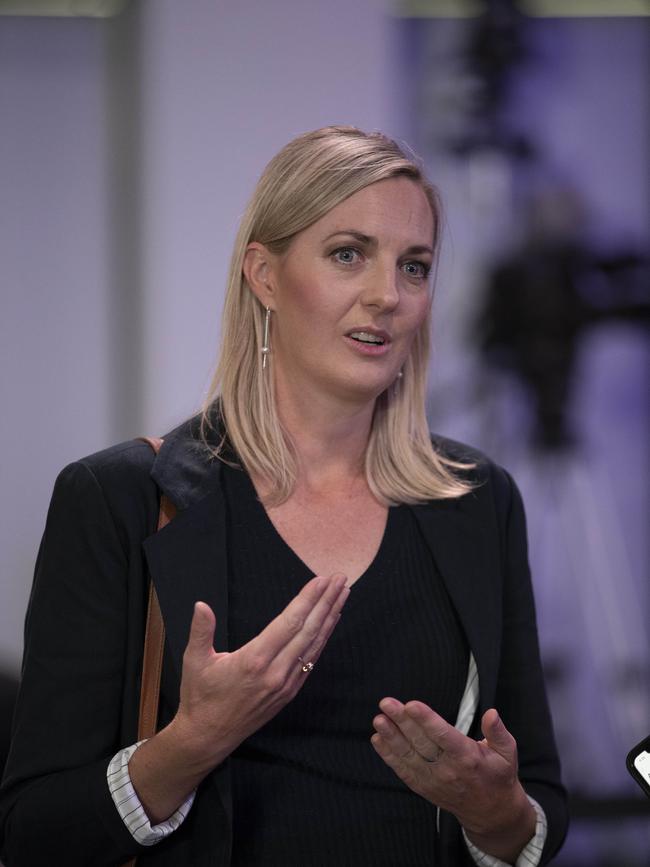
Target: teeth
x=366, y=337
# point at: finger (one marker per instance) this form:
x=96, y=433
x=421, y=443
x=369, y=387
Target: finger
x=314, y=650
x=200, y=644
x=383, y=747
x=442, y=733
x=299, y=658
x=336, y=575
x=311, y=641
x=419, y=722
x=497, y=736
x=404, y=770
x=317, y=596
x=395, y=739
x=424, y=747
x=290, y=620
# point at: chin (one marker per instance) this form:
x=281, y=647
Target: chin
x=366, y=389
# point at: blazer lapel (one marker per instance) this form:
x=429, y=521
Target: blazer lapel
x=458, y=538
x=188, y=558
x=188, y=562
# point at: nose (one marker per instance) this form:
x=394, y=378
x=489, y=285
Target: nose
x=381, y=290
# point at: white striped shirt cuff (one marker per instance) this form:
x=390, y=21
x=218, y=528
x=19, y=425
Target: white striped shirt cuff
x=129, y=806
x=531, y=853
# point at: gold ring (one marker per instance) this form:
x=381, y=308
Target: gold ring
x=306, y=666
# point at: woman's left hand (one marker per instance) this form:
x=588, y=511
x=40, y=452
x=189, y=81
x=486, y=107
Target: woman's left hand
x=477, y=781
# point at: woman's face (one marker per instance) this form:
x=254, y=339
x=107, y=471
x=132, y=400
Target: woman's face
x=351, y=292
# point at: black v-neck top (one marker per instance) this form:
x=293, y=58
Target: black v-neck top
x=308, y=788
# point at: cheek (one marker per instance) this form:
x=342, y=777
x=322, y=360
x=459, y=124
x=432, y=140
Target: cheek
x=413, y=321
x=418, y=311
x=308, y=312
x=305, y=315
x=310, y=301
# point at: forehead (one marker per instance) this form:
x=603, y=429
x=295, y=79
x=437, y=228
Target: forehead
x=395, y=209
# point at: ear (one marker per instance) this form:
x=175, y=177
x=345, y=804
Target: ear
x=258, y=271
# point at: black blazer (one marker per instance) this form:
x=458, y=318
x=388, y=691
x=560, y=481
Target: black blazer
x=84, y=634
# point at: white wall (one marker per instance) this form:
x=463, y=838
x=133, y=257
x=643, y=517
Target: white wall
x=127, y=152
x=53, y=281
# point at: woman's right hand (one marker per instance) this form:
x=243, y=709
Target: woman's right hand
x=225, y=697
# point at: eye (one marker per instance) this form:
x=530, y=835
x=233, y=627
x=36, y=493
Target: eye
x=346, y=255
x=419, y=270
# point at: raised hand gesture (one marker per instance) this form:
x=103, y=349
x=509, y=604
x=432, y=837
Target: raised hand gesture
x=475, y=780
x=225, y=697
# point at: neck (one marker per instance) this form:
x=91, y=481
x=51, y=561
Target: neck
x=330, y=435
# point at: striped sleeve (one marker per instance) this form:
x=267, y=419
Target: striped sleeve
x=129, y=807
x=530, y=854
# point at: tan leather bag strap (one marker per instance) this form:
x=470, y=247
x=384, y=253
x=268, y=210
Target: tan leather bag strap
x=154, y=637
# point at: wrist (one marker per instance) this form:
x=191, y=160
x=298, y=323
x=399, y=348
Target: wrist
x=194, y=750
x=507, y=838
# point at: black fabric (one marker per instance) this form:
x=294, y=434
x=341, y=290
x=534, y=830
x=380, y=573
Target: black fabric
x=319, y=793
x=78, y=699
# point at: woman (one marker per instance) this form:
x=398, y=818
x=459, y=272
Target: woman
x=312, y=458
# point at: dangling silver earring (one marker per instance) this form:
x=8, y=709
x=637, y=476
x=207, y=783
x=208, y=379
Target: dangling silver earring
x=396, y=382
x=265, y=343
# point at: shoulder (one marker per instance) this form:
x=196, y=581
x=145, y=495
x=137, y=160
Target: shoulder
x=127, y=462
x=129, y=478
x=488, y=479
x=129, y=465
x=125, y=465
x=112, y=487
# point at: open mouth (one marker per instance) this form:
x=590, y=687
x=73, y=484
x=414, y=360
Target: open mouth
x=366, y=337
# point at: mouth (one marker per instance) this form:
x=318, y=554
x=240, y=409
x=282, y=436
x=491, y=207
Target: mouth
x=369, y=341
x=370, y=337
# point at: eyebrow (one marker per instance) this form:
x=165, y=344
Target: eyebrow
x=370, y=241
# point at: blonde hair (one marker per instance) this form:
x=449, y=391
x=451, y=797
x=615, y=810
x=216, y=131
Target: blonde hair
x=306, y=179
